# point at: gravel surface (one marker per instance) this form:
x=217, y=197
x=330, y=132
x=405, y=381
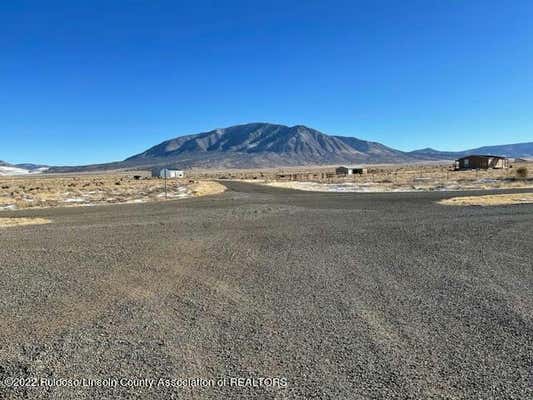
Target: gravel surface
x=306, y=295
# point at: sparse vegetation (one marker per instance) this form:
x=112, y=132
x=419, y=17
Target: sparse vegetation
x=59, y=190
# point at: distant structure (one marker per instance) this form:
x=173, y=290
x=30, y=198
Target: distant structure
x=350, y=170
x=481, y=162
x=168, y=173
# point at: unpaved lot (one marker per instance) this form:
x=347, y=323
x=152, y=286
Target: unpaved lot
x=339, y=295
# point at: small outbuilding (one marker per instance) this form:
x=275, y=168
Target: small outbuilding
x=168, y=173
x=350, y=170
x=481, y=162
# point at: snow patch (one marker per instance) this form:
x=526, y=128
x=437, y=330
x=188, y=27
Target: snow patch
x=13, y=171
x=74, y=200
x=8, y=171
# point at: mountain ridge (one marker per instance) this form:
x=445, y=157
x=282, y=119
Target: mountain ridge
x=512, y=150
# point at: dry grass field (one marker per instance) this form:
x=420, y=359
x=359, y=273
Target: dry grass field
x=40, y=191
x=376, y=172
x=393, y=178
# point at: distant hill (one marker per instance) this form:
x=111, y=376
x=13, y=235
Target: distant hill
x=518, y=150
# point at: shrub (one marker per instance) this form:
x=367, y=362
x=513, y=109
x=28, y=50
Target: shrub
x=521, y=172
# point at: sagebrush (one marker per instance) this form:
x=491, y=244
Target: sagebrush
x=522, y=172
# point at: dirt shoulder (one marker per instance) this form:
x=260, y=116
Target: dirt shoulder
x=206, y=188
x=11, y=222
x=490, y=200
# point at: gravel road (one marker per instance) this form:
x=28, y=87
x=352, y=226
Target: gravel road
x=268, y=293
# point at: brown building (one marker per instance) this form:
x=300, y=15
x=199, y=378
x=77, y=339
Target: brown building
x=482, y=162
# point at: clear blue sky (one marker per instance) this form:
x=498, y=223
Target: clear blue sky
x=95, y=81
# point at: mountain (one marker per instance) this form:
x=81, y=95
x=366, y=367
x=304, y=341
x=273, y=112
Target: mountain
x=262, y=145
x=257, y=145
x=518, y=150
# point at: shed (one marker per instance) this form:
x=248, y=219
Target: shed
x=168, y=173
x=350, y=170
x=481, y=162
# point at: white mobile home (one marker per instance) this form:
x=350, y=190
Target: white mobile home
x=170, y=173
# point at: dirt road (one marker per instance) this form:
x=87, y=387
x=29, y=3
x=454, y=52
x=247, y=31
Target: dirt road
x=301, y=295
